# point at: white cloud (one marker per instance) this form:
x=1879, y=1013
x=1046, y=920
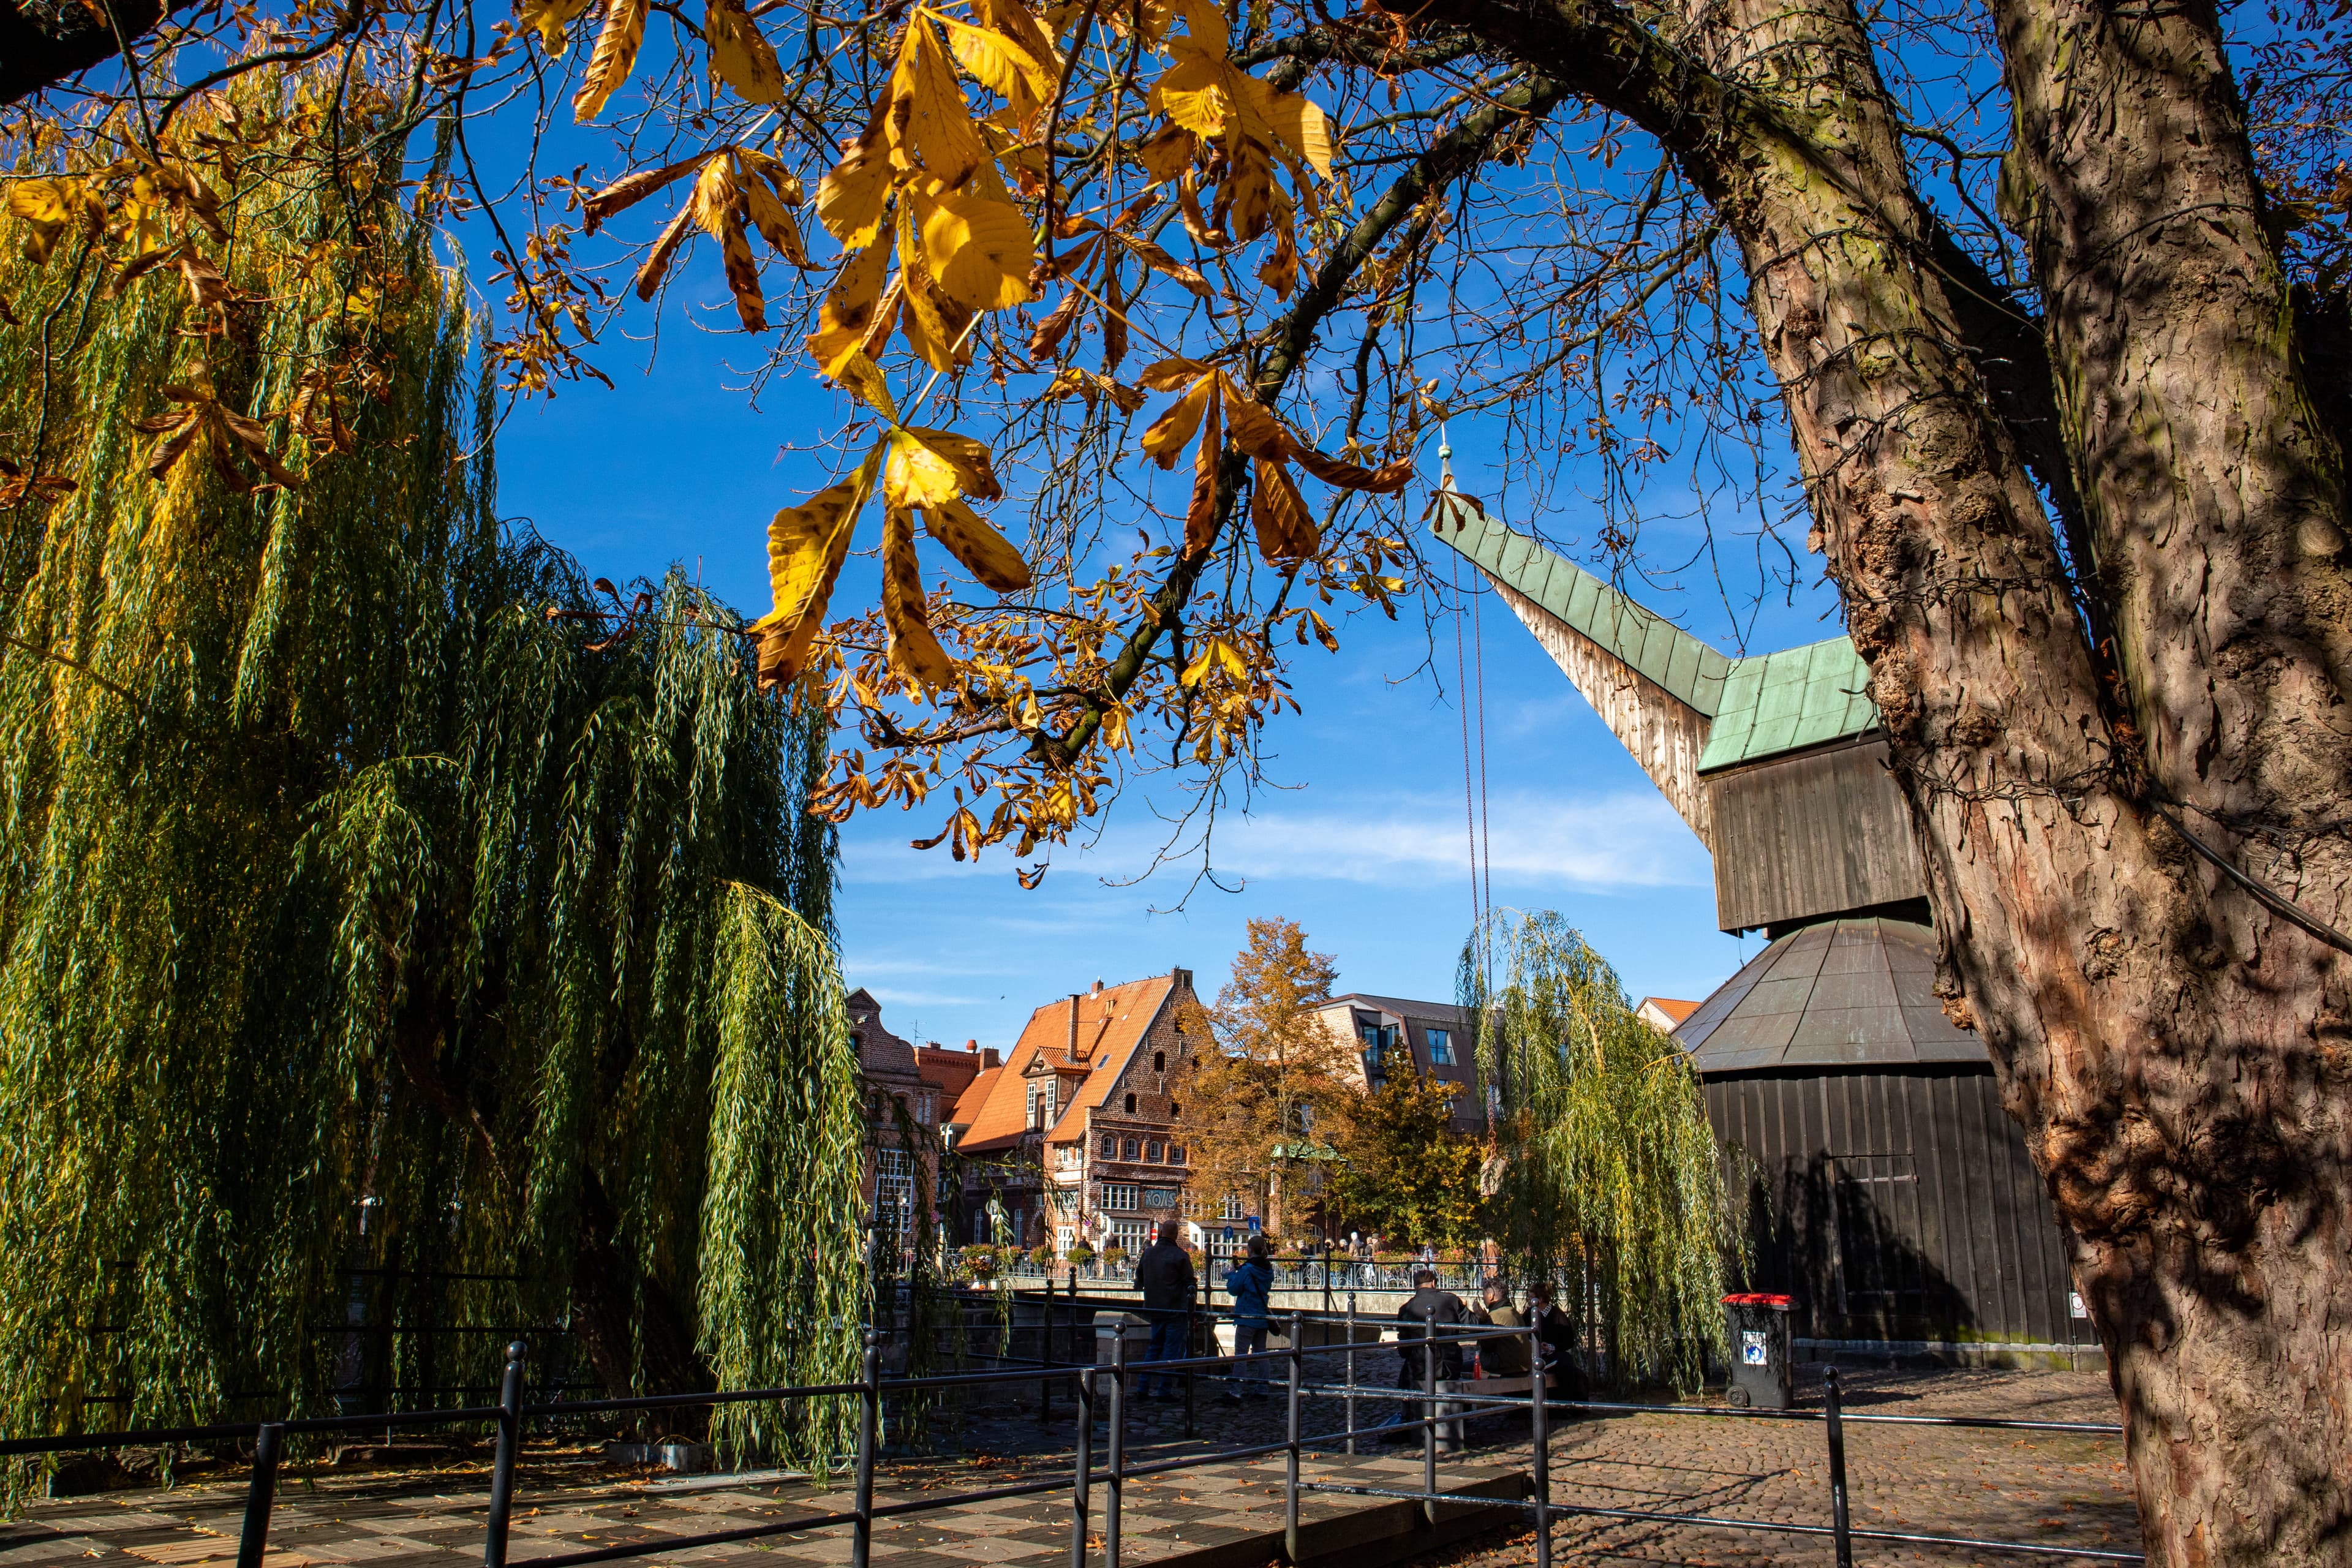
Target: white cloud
x=1592, y=843
x=1621, y=840
x=891, y=996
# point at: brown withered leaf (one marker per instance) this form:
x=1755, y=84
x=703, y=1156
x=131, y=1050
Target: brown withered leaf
x=1286, y=531
x=664, y=251
x=1253, y=428
x=227, y=435
x=630, y=189
x=1164, y=439
x=18, y=486
x=1201, y=514
x=985, y=553
x=1385, y=480
x=1152, y=255
x=1168, y=374
x=206, y=287
x=1047, y=338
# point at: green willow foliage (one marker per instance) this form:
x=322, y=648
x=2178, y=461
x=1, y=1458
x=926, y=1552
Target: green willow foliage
x=1610, y=1179
x=361, y=924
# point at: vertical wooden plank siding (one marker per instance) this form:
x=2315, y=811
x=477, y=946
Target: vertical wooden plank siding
x=1821, y=833
x=1896, y=1205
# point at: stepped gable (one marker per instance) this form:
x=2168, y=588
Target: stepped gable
x=1110, y=1024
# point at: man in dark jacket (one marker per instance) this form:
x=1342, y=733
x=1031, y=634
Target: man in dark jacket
x=1439, y=1310
x=1164, y=1274
x=1421, y=1324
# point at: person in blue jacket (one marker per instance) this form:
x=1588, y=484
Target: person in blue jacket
x=1249, y=1282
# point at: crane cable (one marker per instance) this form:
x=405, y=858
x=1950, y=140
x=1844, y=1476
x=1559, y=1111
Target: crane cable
x=1470, y=686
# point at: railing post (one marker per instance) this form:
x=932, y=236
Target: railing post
x=1429, y=1418
x=1540, y=1427
x=260, y=1492
x=870, y=1417
x=1840, y=1526
x=1083, y=1467
x=1045, y=1355
x=1192, y=1374
x=1352, y=1372
x=503, y=1468
x=1117, y=1477
x=1290, y=1435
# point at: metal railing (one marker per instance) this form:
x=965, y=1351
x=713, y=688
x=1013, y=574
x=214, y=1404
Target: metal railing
x=1101, y=1390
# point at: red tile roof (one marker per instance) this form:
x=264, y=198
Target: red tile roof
x=968, y=1103
x=1110, y=1024
x=1670, y=1006
x=950, y=1069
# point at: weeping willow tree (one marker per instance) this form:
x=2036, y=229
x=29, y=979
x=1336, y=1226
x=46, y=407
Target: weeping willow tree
x=376, y=948
x=1605, y=1175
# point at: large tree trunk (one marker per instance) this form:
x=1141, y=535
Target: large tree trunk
x=2195, y=1128
x=633, y=1333
x=43, y=42
x=2173, y=1049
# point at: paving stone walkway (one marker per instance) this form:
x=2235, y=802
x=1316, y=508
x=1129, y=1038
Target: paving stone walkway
x=1953, y=1481
x=2042, y=1487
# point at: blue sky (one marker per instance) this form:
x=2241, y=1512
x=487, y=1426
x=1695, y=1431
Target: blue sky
x=1362, y=840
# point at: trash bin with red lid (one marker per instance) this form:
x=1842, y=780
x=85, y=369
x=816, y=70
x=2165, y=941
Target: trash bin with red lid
x=1761, y=1375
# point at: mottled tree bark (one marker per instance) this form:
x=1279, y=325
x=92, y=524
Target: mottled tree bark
x=633, y=1333
x=2175, y=1048
x=2198, y=1142
x=43, y=42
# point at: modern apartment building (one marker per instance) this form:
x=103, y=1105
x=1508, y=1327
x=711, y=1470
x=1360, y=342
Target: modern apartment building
x=1391, y=1034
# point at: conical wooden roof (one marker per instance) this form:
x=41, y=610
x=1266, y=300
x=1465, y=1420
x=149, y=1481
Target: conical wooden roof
x=1839, y=993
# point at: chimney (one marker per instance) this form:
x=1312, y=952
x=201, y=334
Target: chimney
x=1098, y=987
x=1073, y=1022
x=988, y=1058
x=1182, y=977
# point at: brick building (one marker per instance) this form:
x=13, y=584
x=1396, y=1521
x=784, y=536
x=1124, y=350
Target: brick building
x=1078, y=1134
x=926, y=1082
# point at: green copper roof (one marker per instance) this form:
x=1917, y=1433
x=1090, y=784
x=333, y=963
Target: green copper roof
x=1670, y=657
x=1759, y=706
x=1784, y=702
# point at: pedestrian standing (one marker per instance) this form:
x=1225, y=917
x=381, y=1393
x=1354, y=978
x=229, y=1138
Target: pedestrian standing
x=1165, y=1275
x=1249, y=1283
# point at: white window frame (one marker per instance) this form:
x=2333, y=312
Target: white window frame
x=1119, y=1196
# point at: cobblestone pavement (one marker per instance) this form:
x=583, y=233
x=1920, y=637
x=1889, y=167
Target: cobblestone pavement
x=429, y=1513
x=1943, y=1481
x=2040, y=1487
